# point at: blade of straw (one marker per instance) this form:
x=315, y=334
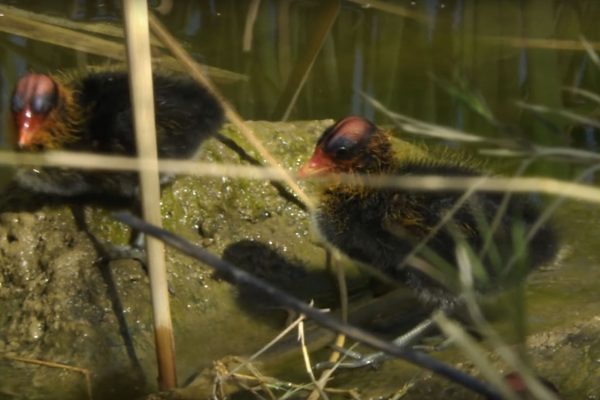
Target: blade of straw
x=140, y=79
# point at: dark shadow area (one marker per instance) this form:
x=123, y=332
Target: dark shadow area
x=269, y=264
x=18, y=199
x=103, y=264
x=388, y=314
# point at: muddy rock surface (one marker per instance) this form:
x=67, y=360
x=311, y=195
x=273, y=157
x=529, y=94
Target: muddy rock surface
x=67, y=313
x=62, y=303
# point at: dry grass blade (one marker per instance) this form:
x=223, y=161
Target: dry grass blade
x=584, y=93
x=307, y=363
x=60, y=32
x=50, y=364
x=502, y=349
x=562, y=153
x=196, y=73
x=554, y=44
x=34, y=28
x=564, y=113
x=100, y=28
x=272, y=342
x=142, y=98
x=426, y=182
x=474, y=351
x=415, y=126
x=591, y=48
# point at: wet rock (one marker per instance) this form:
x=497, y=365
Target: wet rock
x=60, y=302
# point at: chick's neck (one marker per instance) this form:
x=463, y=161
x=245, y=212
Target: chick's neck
x=370, y=202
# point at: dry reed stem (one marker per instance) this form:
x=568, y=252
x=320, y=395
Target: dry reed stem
x=426, y=182
x=142, y=98
x=97, y=28
x=195, y=71
x=60, y=32
x=50, y=364
x=553, y=44
x=36, y=29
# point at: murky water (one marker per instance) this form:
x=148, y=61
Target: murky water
x=460, y=63
x=477, y=66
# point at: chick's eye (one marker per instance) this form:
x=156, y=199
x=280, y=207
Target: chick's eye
x=342, y=152
x=43, y=103
x=341, y=148
x=18, y=103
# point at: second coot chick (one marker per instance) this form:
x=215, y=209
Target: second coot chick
x=92, y=113
x=382, y=226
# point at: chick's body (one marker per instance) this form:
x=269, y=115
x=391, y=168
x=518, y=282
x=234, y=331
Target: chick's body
x=93, y=113
x=382, y=226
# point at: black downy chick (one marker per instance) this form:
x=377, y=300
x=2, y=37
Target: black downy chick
x=92, y=113
x=381, y=227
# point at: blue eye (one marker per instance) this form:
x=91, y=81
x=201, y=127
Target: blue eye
x=17, y=104
x=341, y=148
x=41, y=104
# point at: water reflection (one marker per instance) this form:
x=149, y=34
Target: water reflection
x=441, y=61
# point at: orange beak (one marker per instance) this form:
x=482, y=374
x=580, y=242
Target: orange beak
x=27, y=124
x=318, y=165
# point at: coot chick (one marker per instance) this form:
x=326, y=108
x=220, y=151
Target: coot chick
x=92, y=113
x=381, y=227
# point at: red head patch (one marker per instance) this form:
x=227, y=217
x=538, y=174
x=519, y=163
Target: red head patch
x=35, y=95
x=338, y=145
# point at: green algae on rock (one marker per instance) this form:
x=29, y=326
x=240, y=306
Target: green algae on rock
x=55, y=295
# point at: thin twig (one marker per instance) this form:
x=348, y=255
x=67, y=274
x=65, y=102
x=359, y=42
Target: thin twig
x=242, y=277
x=50, y=364
x=307, y=363
x=271, y=343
